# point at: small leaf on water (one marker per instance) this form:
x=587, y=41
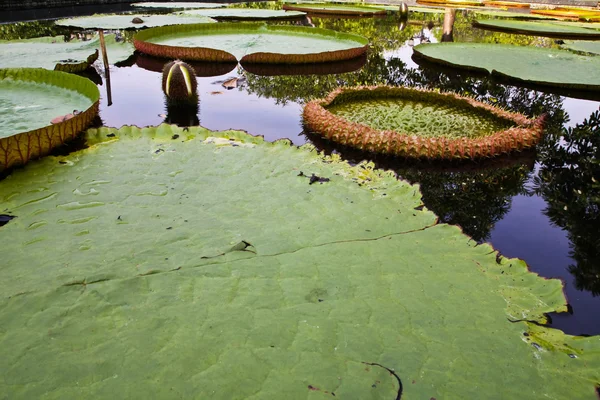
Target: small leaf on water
x=230, y=83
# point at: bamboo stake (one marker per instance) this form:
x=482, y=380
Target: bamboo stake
x=106, y=67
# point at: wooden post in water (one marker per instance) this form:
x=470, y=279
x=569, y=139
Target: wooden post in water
x=448, y=27
x=106, y=67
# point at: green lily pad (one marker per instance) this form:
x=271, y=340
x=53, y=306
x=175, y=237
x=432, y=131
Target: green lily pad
x=420, y=124
x=583, y=46
x=246, y=13
x=179, y=5
x=126, y=248
x=125, y=21
x=31, y=99
x=337, y=9
x=570, y=13
x=451, y=3
x=506, y=4
x=414, y=117
x=539, y=66
x=55, y=53
x=590, y=25
x=547, y=29
x=512, y=15
x=250, y=42
x=423, y=9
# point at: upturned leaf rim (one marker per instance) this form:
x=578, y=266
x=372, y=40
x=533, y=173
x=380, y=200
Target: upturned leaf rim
x=526, y=134
x=21, y=147
x=143, y=44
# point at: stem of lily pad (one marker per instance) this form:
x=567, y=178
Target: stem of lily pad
x=106, y=67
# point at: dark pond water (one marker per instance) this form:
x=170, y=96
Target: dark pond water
x=542, y=206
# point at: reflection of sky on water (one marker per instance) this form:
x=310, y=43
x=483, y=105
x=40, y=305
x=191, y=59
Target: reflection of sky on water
x=526, y=232
x=579, y=110
x=405, y=52
x=220, y=109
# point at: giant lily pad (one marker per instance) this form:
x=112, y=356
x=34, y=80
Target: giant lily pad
x=426, y=10
x=505, y=4
x=591, y=25
x=583, y=46
x=179, y=5
x=547, y=29
x=226, y=42
x=336, y=9
x=452, y=3
x=30, y=99
x=127, y=272
x=511, y=14
x=531, y=65
x=125, y=21
x=246, y=13
x=570, y=13
x=55, y=53
x=420, y=124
